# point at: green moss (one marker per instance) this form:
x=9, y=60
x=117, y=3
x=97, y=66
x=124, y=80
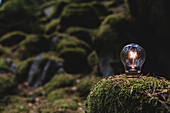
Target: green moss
x=22, y=16
x=72, y=42
x=111, y=35
x=121, y=95
x=5, y=66
x=59, y=81
x=81, y=33
x=13, y=104
x=73, y=13
x=4, y=51
x=93, y=62
x=8, y=85
x=55, y=95
x=12, y=38
x=52, y=26
x=84, y=1
x=59, y=106
x=100, y=8
x=93, y=59
x=47, y=4
x=32, y=45
x=75, y=60
x=23, y=69
x=85, y=84
x=107, y=33
x=58, y=7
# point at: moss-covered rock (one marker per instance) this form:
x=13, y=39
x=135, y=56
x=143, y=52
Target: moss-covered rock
x=4, y=51
x=111, y=35
x=59, y=81
x=108, y=33
x=100, y=8
x=84, y=1
x=122, y=95
x=75, y=15
x=38, y=71
x=58, y=8
x=93, y=62
x=19, y=15
x=85, y=84
x=67, y=41
x=12, y=38
x=5, y=65
x=52, y=26
x=23, y=69
x=8, y=85
x=75, y=60
x=93, y=59
x=32, y=45
x=81, y=33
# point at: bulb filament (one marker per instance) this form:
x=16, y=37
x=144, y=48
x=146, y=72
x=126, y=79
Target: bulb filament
x=133, y=56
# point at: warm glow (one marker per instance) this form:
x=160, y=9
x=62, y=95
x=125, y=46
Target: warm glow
x=133, y=54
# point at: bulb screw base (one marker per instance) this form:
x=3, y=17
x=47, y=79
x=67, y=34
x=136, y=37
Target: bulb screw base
x=132, y=74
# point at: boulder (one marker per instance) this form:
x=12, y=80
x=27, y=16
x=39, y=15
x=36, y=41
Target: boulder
x=67, y=41
x=39, y=70
x=75, y=60
x=18, y=15
x=79, y=15
x=32, y=46
x=59, y=81
x=52, y=26
x=118, y=94
x=12, y=38
x=81, y=33
x=111, y=35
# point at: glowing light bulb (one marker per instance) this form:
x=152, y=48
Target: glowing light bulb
x=133, y=57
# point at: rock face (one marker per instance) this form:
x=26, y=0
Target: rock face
x=32, y=46
x=75, y=15
x=19, y=17
x=38, y=71
x=12, y=38
x=118, y=94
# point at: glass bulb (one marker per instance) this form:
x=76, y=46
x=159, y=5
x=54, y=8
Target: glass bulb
x=133, y=57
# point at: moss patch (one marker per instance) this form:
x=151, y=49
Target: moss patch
x=121, y=95
x=75, y=60
x=85, y=84
x=59, y=81
x=32, y=45
x=81, y=33
x=12, y=38
x=7, y=83
x=73, y=13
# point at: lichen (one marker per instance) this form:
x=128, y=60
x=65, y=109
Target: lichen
x=119, y=94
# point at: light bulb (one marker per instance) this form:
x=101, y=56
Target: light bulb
x=133, y=57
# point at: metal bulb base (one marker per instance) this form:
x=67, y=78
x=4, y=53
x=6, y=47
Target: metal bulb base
x=132, y=74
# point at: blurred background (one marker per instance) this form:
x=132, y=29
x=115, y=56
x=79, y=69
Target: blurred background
x=53, y=51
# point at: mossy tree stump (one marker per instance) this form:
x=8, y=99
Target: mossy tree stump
x=118, y=94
